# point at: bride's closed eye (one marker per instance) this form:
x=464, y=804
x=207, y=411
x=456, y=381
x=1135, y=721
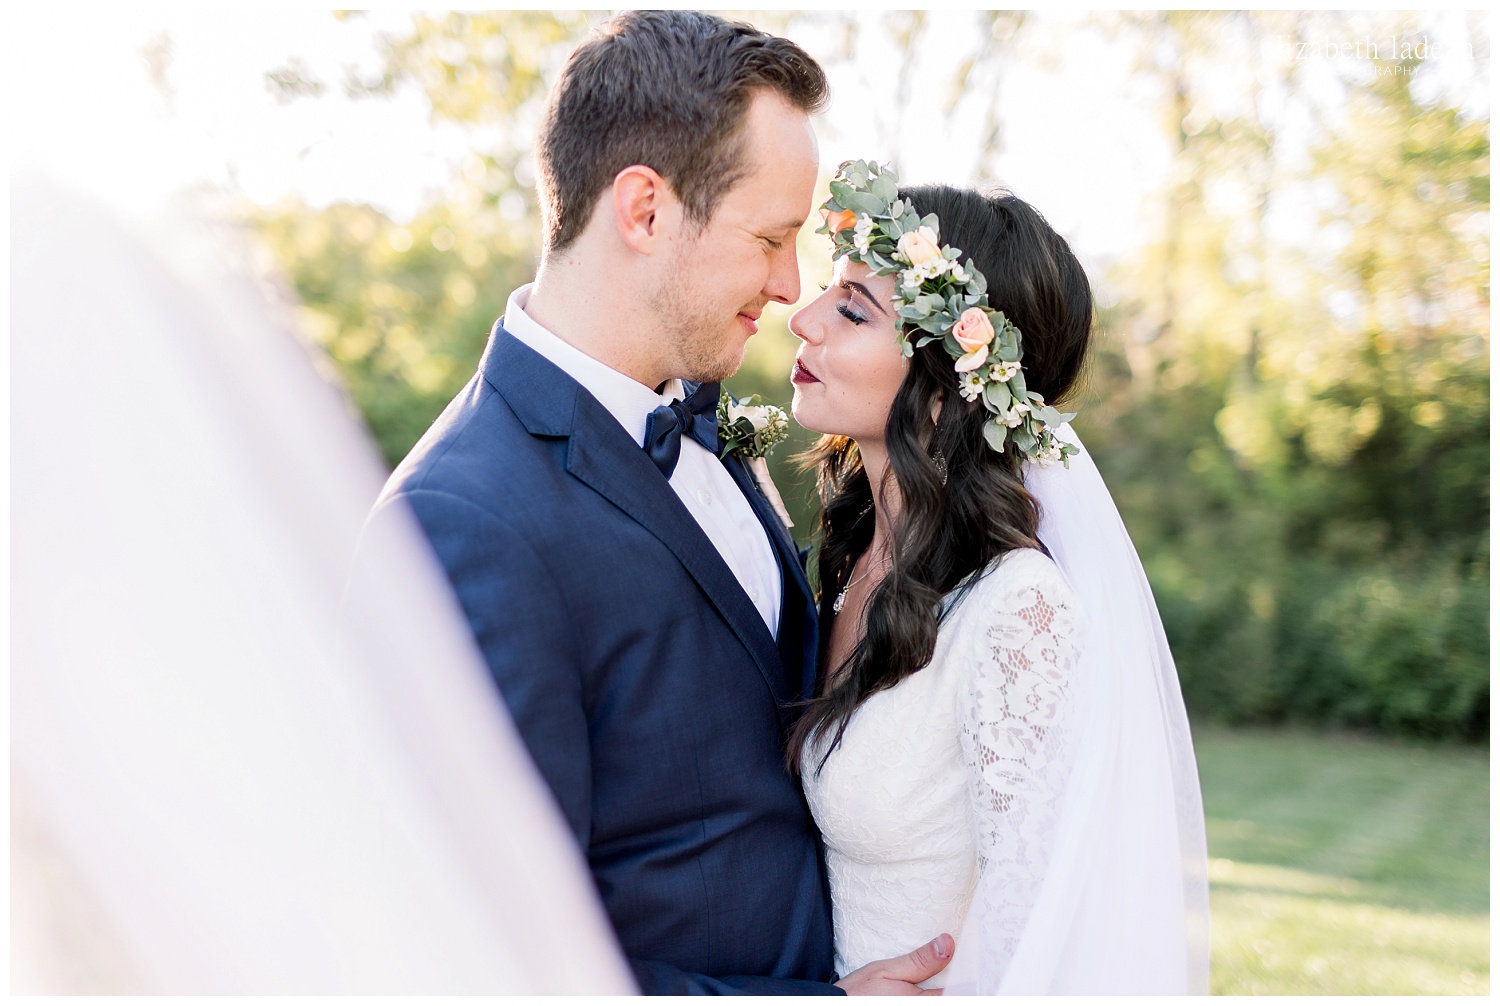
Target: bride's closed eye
x=847, y=307
x=848, y=312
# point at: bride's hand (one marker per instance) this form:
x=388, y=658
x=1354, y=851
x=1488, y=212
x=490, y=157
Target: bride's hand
x=899, y=975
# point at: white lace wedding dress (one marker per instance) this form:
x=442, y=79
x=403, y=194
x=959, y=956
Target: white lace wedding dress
x=1032, y=790
x=951, y=772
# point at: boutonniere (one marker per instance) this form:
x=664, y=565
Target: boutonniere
x=751, y=430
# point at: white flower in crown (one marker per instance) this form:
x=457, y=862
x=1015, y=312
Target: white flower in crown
x=911, y=279
x=971, y=385
x=1004, y=371
x=1014, y=416
x=959, y=276
x=862, y=230
x=1049, y=453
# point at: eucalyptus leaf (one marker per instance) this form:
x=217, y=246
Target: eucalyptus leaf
x=885, y=188
x=994, y=435
x=864, y=202
x=997, y=395
x=1023, y=438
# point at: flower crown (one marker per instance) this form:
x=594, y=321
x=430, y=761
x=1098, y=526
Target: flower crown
x=937, y=299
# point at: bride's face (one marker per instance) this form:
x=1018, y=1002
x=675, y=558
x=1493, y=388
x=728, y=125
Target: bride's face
x=849, y=367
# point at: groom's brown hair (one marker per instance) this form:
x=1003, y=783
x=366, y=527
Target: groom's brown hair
x=667, y=89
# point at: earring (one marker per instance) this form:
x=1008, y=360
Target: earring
x=938, y=460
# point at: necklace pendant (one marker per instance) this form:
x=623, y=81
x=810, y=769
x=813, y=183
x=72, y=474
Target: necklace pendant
x=838, y=602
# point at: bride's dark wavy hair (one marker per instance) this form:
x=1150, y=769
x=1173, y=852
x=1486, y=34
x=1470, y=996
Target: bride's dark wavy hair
x=945, y=532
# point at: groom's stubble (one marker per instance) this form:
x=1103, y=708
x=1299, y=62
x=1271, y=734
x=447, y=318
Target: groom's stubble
x=693, y=322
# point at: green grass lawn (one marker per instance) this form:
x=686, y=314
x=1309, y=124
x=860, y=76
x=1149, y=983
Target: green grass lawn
x=1346, y=866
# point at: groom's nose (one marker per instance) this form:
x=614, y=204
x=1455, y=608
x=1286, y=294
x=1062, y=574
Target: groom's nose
x=784, y=284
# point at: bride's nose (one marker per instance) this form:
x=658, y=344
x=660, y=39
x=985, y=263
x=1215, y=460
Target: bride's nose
x=803, y=326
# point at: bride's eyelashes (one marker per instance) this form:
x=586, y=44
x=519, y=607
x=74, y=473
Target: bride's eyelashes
x=847, y=312
x=847, y=307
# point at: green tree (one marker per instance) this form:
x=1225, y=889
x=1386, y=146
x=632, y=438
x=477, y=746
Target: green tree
x=1290, y=398
x=1297, y=418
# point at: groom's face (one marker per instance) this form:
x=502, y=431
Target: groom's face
x=721, y=277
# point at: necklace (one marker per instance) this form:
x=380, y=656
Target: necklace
x=838, y=601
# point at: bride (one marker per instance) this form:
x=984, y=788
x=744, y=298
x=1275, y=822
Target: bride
x=997, y=748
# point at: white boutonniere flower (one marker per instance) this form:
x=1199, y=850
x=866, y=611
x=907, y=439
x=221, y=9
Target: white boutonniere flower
x=751, y=430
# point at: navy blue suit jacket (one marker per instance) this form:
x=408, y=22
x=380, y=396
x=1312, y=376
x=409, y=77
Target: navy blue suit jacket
x=642, y=678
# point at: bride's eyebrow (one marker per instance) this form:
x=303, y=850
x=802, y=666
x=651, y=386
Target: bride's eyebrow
x=849, y=284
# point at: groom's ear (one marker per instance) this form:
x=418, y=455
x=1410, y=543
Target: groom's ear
x=646, y=210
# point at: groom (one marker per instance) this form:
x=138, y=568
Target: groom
x=640, y=606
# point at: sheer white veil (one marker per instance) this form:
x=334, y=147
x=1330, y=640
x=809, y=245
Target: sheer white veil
x=214, y=788
x=1122, y=906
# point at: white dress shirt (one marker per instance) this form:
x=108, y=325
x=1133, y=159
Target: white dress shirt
x=700, y=480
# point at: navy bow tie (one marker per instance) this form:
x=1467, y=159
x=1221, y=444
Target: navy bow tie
x=697, y=416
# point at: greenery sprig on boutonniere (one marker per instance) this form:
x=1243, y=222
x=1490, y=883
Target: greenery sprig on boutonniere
x=749, y=428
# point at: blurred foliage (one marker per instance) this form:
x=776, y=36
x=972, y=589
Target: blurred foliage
x=403, y=310
x=1290, y=394
x=1295, y=415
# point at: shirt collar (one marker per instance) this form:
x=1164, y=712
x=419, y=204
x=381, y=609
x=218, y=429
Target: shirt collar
x=628, y=400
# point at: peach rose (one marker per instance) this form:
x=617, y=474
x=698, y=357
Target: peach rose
x=920, y=247
x=840, y=221
x=974, y=333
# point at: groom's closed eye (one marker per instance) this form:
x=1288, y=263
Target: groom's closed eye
x=778, y=237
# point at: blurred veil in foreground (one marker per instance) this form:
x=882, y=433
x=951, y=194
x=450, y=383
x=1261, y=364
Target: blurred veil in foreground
x=221, y=781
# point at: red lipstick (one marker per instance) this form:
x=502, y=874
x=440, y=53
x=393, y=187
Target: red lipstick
x=801, y=375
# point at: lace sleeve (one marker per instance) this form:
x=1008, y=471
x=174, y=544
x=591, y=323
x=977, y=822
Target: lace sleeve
x=1020, y=647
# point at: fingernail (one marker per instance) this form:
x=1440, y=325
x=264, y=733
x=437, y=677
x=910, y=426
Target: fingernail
x=937, y=948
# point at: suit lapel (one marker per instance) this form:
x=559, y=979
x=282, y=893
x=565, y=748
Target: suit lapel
x=796, y=638
x=602, y=456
